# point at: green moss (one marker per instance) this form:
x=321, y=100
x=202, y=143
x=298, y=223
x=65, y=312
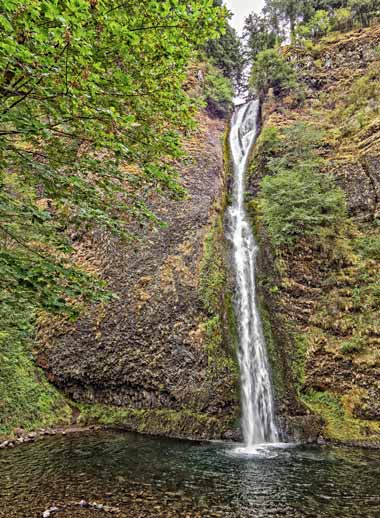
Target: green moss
x=220, y=330
x=301, y=343
x=355, y=344
x=326, y=400
x=27, y=400
x=232, y=326
x=172, y=423
x=340, y=425
x=219, y=327
x=214, y=289
x=278, y=375
x=220, y=362
x=213, y=275
x=227, y=159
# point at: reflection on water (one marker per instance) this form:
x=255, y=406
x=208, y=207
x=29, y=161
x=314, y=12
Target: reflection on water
x=147, y=477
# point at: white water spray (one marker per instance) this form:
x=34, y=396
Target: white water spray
x=257, y=397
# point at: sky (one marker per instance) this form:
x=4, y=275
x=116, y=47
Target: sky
x=241, y=9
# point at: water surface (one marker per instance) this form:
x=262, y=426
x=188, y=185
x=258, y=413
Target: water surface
x=150, y=477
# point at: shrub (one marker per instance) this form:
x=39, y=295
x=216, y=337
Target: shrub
x=355, y=344
x=299, y=145
x=296, y=199
x=269, y=141
x=296, y=203
x=318, y=26
x=267, y=146
x=369, y=247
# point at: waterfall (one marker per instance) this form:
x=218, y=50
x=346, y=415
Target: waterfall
x=256, y=389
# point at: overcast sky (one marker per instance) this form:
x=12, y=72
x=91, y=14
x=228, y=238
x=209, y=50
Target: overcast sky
x=241, y=9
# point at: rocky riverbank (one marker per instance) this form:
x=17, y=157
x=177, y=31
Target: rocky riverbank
x=23, y=437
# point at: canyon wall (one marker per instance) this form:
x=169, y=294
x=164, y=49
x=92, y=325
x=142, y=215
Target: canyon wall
x=161, y=357
x=321, y=296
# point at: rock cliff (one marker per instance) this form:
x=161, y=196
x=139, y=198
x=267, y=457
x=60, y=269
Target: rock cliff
x=161, y=357
x=322, y=297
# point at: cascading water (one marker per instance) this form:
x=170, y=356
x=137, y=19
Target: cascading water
x=257, y=397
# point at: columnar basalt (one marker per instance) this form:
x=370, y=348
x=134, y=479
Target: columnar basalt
x=161, y=345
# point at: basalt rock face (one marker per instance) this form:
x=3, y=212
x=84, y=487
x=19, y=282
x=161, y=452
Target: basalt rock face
x=161, y=344
x=335, y=73
x=323, y=313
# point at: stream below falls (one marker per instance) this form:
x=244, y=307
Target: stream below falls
x=150, y=477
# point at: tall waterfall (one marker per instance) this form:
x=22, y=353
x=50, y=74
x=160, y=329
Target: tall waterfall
x=257, y=396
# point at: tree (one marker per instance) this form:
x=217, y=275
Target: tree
x=225, y=51
x=226, y=54
x=319, y=25
x=271, y=70
x=258, y=34
x=285, y=13
x=364, y=10
x=342, y=19
x=288, y=17
x=292, y=12
x=218, y=92
x=91, y=102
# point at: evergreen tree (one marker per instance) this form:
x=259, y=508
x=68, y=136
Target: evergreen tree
x=271, y=70
x=283, y=13
x=308, y=18
x=225, y=52
x=258, y=34
x=365, y=11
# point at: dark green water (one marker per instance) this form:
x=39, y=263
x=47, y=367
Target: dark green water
x=147, y=477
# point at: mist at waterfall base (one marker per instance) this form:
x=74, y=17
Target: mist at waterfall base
x=258, y=416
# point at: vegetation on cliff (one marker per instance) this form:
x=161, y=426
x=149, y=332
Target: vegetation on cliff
x=315, y=171
x=306, y=19
x=89, y=91
x=220, y=329
x=297, y=201
x=304, y=23
x=98, y=99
